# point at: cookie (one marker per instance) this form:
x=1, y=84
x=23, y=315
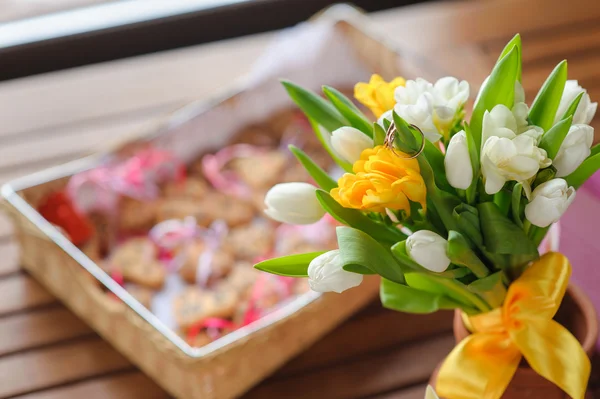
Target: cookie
x=180, y=208
x=137, y=215
x=251, y=241
x=136, y=260
x=134, y=249
x=231, y=210
x=194, y=305
x=142, y=294
x=241, y=278
x=262, y=170
x=193, y=188
x=220, y=262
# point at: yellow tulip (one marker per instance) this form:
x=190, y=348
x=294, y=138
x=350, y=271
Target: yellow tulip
x=377, y=95
x=381, y=180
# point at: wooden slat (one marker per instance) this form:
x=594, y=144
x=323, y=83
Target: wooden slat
x=92, y=93
x=20, y=292
x=34, y=329
x=585, y=69
x=6, y=227
x=380, y=330
x=417, y=392
x=381, y=371
x=553, y=45
x=459, y=23
x=130, y=385
x=11, y=10
x=58, y=365
x=9, y=257
x=72, y=142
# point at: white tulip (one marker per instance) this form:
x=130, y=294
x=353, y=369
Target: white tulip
x=585, y=110
x=506, y=155
x=430, y=393
x=549, y=201
x=293, y=203
x=410, y=93
x=449, y=93
x=428, y=249
x=431, y=107
x=457, y=162
x=349, y=143
x=325, y=274
x=421, y=115
x=574, y=149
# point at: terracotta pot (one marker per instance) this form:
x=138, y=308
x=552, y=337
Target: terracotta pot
x=577, y=313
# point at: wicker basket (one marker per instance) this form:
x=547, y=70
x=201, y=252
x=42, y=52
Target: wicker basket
x=229, y=366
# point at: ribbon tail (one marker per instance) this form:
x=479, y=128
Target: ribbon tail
x=555, y=354
x=480, y=367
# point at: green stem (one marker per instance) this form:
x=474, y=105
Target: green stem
x=526, y=226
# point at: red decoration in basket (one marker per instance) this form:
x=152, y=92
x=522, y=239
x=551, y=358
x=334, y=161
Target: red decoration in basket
x=137, y=177
x=59, y=210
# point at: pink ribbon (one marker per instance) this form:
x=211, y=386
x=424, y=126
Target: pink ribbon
x=137, y=177
x=172, y=234
x=227, y=181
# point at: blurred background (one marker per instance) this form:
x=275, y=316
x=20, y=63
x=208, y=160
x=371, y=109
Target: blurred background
x=39, y=36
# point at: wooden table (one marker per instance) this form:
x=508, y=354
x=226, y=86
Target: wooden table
x=46, y=352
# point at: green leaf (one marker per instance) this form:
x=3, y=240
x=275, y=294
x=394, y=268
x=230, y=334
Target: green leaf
x=443, y=202
x=405, y=139
x=319, y=175
x=500, y=235
x=378, y=134
x=358, y=220
x=291, y=265
x=503, y=199
x=490, y=288
x=358, y=248
x=403, y=298
x=453, y=289
x=460, y=253
x=517, y=194
x=315, y=107
x=544, y=107
x=358, y=269
x=515, y=42
x=553, y=138
x=584, y=171
x=573, y=107
x=543, y=176
x=499, y=89
x=325, y=139
x=348, y=110
x=467, y=220
x=595, y=150
x=474, y=156
x=436, y=159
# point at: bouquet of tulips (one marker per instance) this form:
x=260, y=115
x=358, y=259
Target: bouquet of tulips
x=449, y=212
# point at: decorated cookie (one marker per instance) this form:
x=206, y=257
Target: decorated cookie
x=137, y=215
x=198, y=340
x=231, y=210
x=180, y=208
x=251, y=241
x=194, y=305
x=136, y=260
x=203, y=264
x=193, y=188
x=241, y=278
x=262, y=170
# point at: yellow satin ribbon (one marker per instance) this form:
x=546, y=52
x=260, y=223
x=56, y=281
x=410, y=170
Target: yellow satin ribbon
x=482, y=365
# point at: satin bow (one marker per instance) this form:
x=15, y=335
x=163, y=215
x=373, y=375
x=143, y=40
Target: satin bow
x=482, y=365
